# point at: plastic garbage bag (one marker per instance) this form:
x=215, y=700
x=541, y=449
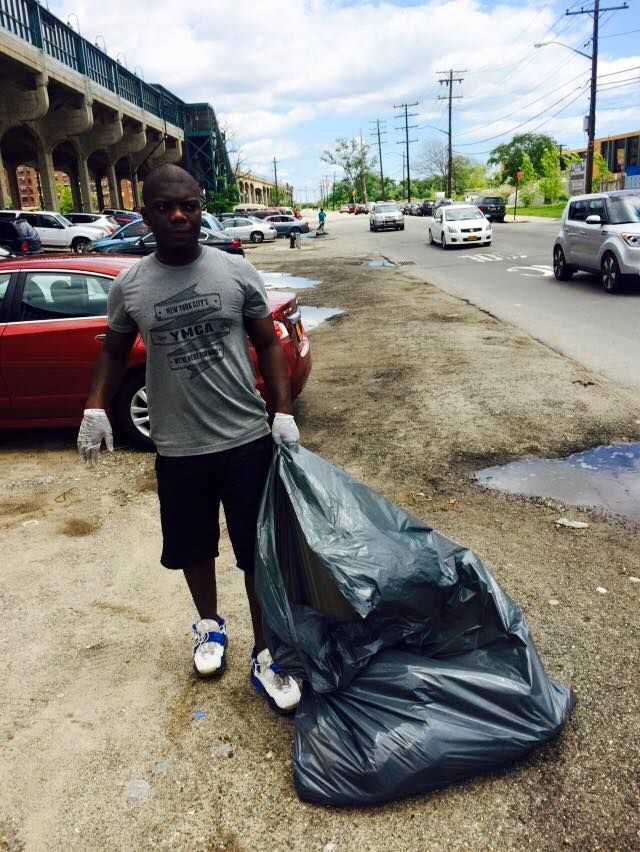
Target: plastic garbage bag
x=418, y=669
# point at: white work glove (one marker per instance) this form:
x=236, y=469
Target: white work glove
x=284, y=429
x=94, y=429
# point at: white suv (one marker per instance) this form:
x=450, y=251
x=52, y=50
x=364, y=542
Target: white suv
x=600, y=233
x=386, y=215
x=55, y=231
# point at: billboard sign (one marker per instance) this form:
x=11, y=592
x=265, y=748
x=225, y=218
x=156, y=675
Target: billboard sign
x=577, y=173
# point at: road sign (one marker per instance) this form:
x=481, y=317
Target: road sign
x=519, y=175
x=577, y=174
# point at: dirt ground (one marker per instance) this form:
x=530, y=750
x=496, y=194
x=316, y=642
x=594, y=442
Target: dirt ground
x=411, y=392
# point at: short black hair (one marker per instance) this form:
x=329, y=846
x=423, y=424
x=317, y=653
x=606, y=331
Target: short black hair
x=158, y=176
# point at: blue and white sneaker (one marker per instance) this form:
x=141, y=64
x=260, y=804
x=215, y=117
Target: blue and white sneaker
x=282, y=690
x=209, y=647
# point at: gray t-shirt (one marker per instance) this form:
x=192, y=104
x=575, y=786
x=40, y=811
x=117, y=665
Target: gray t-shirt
x=201, y=386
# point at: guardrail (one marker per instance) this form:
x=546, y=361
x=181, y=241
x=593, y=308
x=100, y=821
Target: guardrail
x=28, y=20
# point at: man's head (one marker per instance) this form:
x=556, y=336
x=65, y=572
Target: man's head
x=172, y=210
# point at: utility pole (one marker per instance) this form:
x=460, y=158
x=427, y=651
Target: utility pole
x=275, y=173
x=405, y=107
x=363, y=180
x=333, y=193
x=379, y=132
x=402, y=182
x=591, y=129
x=449, y=81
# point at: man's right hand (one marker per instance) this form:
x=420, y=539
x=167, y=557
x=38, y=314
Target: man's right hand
x=94, y=429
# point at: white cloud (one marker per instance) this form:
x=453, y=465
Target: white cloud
x=286, y=73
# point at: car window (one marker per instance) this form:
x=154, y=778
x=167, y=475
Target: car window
x=578, y=211
x=45, y=221
x=243, y=222
x=4, y=283
x=62, y=295
x=624, y=209
x=597, y=208
x=32, y=218
x=136, y=229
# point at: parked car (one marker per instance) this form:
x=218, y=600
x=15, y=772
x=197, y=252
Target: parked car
x=600, y=233
x=54, y=230
x=19, y=237
x=386, y=215
x=97, y=220
x=492, y=206
x=131, y=231
x=443, y=202
x=286, y=225
x=141, y=246
x=245, y=228
x=344, y=208
x=52, y=323
x=121, y=216
x=426, y=208
x=360, y=208
x=459, y=224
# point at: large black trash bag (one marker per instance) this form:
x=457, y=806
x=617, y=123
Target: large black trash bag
x=418, y=669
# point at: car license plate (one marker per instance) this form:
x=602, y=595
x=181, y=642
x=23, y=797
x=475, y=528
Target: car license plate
x=473, y=237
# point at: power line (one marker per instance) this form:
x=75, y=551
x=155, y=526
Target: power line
x=522, y=123
x=407, y=114
x=448, y=82
x=526, y=106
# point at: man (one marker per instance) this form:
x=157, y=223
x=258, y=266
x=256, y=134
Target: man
x=194, y=307
x=321, y=217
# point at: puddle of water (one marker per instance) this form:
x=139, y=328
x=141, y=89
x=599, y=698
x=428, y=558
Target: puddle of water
x=605, y=478
x=281, y=280
x=313, y=317
x=380, y=262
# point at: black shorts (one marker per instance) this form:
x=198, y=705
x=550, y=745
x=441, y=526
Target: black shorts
x=191, y=489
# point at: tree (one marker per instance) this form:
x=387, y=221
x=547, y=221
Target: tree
x=528, y=170
x=601, y=174
x=353, y=158
x=65, y=199
x=433, y=159
x=551, y=183
x=223, y=198
x=510, y=155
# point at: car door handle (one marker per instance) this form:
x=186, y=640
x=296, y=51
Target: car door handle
x=101, y=337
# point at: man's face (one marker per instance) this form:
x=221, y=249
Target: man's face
x=174, y=214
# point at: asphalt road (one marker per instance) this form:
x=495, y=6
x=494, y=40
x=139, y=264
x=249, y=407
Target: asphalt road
x=513, y=280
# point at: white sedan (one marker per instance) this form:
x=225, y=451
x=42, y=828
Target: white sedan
x=246, y=228
x=459, y=223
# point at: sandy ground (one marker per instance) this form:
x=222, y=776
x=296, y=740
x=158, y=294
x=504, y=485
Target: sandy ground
x=411, y=391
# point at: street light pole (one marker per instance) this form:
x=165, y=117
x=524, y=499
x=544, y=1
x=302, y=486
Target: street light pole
x=591, y=130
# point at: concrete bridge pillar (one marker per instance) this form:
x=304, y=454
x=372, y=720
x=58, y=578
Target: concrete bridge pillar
x=47, y=178
x=99, y=193
x=75, y=192
x=14, y=189
x=114, y=200
x=5, y=195
x=84, y=185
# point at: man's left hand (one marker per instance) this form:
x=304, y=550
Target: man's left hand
x=284, y=429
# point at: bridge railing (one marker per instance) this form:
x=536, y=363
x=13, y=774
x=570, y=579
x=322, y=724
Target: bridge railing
x=28, y=20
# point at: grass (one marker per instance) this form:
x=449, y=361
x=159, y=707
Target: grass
x=551, y=211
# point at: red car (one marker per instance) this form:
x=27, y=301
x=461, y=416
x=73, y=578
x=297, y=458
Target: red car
x=52, y=322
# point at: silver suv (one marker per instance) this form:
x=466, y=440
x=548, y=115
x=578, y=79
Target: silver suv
x=600, y=233
x=386, y=214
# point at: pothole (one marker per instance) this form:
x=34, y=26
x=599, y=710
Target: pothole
x=313, y=317
x=607, y=478
x=282, y=280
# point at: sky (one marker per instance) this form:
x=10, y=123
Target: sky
x=288, y=77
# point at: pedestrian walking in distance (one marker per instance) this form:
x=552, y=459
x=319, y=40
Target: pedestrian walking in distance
x=194, y=307
x=321, y=217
